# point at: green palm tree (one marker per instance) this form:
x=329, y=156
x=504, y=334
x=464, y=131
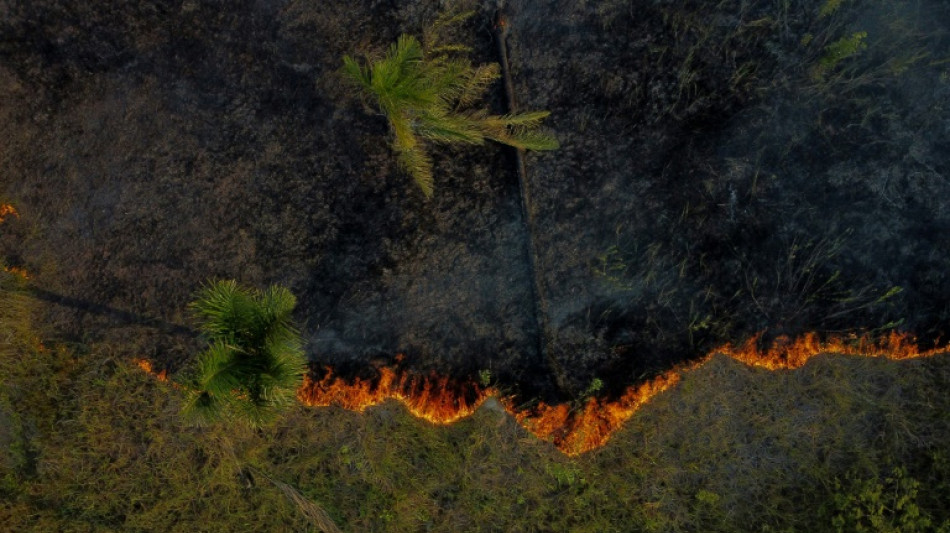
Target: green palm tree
x=426, y=94
x=254, y=360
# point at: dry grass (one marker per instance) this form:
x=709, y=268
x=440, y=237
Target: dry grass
x=100, y=447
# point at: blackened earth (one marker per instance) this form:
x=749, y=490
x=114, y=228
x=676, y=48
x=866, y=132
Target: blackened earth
x=713, y=182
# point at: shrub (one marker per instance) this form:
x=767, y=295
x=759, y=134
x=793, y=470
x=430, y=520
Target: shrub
x=866, y=505
x=254, y=360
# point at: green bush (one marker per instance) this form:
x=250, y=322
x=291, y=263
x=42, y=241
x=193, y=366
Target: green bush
x=866, y=505
x=254, y=361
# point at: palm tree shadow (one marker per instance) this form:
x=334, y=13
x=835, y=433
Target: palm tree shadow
x=121, y=315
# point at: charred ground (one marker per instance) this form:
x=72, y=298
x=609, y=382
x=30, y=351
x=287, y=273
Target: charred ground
x=712, y=183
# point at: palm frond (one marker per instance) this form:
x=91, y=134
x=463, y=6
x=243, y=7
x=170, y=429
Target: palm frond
x=477, y=84
x=276, y=311
x=425, y=93
x=411, y=154
x=278, y=302
x=404, y=136
x=526, y=140
x=355, y=72
x=417, y=164
x=447, y=79
x=286, y=365
x=448, y=18
x=225, y=310
x=273, y=392
x=535, y=140
x=201, y=408
x=443, y=50
x=248, y=372
x=434, y=33
x=405, y=55
x=280, y=340
x=531, y=119
x=407, y=49
x=399, y=80
x=219, y=369
x=450, y=128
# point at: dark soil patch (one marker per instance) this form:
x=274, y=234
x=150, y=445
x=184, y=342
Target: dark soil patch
x=709, y=187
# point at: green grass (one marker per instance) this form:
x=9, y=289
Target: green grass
x=97, y=445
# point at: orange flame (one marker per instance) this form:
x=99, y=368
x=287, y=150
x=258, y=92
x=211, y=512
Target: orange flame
x=146, y=365
x=434, y=399
x=579, y=429
x=7, y=210
x=17, y=271
x=785, y=354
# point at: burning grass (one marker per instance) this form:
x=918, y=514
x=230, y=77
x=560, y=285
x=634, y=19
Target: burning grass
x=575, y=430
x=7, y=210
x=729, y=446
x=146, y=367
x=437, y=400
x=99, y=446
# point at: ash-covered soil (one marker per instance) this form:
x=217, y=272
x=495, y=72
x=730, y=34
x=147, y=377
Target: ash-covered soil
x=717, y=178
x=715, y=183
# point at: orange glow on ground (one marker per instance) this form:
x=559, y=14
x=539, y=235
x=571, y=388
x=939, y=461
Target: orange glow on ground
x=7, y=210
x=17, y=271
x=146, y=365
x=431, y=398
x=578, y=429
x=574, y=429
x=587, y=428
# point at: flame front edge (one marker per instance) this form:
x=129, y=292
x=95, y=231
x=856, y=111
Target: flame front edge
x=580, y=429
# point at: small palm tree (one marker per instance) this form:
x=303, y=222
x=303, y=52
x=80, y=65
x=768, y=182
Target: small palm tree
x=426, y=94
x=254, y=360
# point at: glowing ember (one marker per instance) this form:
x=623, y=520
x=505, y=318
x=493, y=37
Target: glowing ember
x=146, y=365
x=579, y=429
x=16, y=271
x=7, y=210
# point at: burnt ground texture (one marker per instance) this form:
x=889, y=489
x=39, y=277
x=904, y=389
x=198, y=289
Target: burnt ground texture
x=727, y=169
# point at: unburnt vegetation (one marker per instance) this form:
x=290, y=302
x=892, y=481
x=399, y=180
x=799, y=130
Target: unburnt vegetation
x=253, y=364
x=425, y=94
x=92, y=443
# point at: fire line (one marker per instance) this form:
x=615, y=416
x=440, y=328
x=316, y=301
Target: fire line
x=577, y=430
